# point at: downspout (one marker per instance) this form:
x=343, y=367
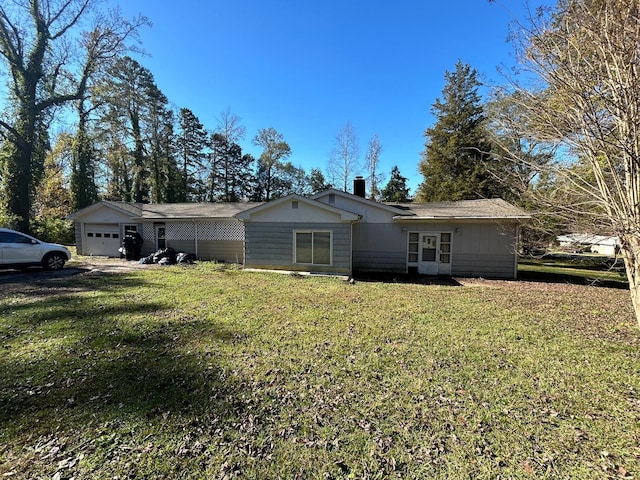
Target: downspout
x=351, y=252
x=81, y=239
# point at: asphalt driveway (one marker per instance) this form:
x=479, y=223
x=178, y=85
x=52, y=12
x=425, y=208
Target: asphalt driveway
x=77, y=266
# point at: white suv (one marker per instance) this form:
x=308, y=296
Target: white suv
x=18, y=250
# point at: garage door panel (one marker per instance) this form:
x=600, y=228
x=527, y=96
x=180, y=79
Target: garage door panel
x=102, y=240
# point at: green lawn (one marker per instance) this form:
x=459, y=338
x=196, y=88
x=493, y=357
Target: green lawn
x=580, y=271
x=206, y=372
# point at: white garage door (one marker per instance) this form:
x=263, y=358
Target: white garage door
x=102, y=240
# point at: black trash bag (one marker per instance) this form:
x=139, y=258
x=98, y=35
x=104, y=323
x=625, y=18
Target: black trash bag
x=168, y=253
x=147, y=260
x=183, y=257
x=131, y=246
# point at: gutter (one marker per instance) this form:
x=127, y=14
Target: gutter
x=436, y=217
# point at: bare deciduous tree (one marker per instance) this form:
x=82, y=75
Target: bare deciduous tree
x=230, y=126
x=372, y=160
x=586, y=54
x=344, y=158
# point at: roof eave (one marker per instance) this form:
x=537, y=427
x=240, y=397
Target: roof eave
x=449, y=217
x=173, y=218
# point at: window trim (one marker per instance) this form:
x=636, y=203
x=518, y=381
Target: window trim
x=312, y=232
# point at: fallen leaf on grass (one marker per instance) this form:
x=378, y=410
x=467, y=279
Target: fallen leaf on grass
x=526, y=466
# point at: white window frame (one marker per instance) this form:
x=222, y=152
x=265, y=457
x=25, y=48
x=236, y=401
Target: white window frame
x=312, y=232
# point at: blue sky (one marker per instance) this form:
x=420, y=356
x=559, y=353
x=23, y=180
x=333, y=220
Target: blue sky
x=308, y=68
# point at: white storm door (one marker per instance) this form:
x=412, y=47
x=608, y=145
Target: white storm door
x=161, y=237
x=428, y=261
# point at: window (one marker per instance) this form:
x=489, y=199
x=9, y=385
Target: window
x=130, y=229
x=332, y=198
x=10, y=237
x=294, y=204
x=445, y=247
x=90, y=235
x=98, y=235
x=107, y=235
x=312, y=248
x=414, y=241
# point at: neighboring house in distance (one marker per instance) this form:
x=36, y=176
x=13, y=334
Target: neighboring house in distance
x=332, y=232
x=604, y=245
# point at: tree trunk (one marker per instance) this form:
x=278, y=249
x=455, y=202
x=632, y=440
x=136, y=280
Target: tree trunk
x=17, y=177
x=630, y=251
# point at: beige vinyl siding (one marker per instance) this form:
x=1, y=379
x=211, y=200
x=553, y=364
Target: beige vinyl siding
x=270, y=245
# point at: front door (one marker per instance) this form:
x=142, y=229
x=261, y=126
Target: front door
x=428, y=258
x=161, y=238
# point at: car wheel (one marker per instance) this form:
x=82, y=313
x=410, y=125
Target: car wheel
x=53, y=261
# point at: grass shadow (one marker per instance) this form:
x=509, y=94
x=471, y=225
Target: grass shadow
x=73, y=358
x=564, y=277
x=442, y=280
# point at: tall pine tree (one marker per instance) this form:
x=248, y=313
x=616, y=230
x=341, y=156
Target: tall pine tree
x=275, y=150
x=192, y=142
x=396, y=189
x=125, y=94
x=457, y=149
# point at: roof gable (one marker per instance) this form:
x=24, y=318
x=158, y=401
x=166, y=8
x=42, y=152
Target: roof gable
x=125, y=208
x=296, y=208
x=354, y=203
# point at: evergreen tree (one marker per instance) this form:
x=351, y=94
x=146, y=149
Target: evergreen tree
x=192, y=141
x=454, y=163
x=84, y=191
x=161, y=147
x=126, y=96
x=230, y=175
x=290, y=179
x=396, y=189
x=275, y=150
x=317, y=181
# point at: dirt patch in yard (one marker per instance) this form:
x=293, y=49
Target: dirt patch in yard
x=108, y=264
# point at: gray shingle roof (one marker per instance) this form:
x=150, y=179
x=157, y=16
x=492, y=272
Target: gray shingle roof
x=132, y=208
x=176, y=211
x=494, y=208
